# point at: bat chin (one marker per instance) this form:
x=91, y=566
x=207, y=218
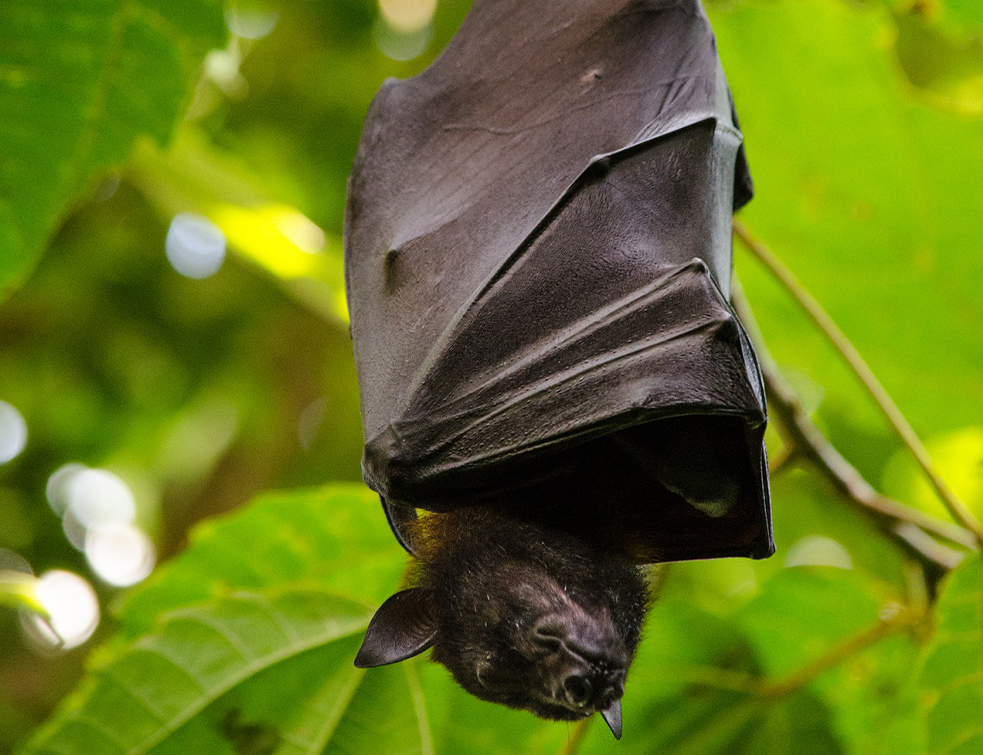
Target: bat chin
x=553, y=711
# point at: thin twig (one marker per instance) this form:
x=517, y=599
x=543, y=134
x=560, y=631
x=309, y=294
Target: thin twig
x=804, y=440
x=714, y=677
x=579, y=731
x=813, y=446
x=781, y=460
x=846, y=349
x=904, y=619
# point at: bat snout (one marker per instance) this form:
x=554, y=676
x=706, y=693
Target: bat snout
x=587, y=665
x=593, y=643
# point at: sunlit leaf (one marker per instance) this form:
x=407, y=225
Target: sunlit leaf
x=197, y=176
x=958, y=455
x=334, y=538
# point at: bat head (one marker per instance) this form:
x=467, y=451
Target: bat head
x=521, y=614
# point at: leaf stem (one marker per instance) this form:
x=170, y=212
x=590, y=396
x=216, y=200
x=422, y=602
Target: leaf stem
x=903, y=619
x=825, y=323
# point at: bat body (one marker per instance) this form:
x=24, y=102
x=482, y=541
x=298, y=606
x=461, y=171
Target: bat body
x=538, y=261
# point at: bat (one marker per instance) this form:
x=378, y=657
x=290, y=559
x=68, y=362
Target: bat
x=538, y=264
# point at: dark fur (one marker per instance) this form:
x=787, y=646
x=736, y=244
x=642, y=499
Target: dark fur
x=523, y=609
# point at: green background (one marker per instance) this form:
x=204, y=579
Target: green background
x=864, y=129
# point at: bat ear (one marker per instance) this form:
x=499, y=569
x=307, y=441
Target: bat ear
x=403, y=626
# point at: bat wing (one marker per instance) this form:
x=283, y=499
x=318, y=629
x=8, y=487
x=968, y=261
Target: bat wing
x=538, y=265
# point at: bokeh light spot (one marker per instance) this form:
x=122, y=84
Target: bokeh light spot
x=407, y=16
x=10, y=561
x=13, y=432
x=73, y=611
x=816, y=550
x=74, y=530
x=59, y=484
x=121, y=554
x=97, y=498
x=401, y=45
x=251, y=19
x=195, y=246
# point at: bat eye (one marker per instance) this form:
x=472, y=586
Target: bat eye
x=578, y=689
x=549, y=636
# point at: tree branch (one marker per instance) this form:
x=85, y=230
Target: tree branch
x=825, y=323
x=806, y=442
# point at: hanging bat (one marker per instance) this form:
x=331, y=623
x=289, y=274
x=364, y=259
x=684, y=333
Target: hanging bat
x=538, y=263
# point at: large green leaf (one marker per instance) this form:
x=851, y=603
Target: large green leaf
x=254, y=672
x=332, y=538
x=464, y=725
x=952, y=674
x=804, y=612
x=245, y=674
x=80, y=80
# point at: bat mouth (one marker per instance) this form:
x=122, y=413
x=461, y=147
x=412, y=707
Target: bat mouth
x=549, y=708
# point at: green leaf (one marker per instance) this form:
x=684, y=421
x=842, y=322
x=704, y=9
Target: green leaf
x=693, y=690
x=804, y=612
x=247, y=674
x=80, y=80
x=969, y=12
x=952, y=671
x=810, y=507
x=874, y=700
x=258, y=672
x=332, y=538
x=464, y=725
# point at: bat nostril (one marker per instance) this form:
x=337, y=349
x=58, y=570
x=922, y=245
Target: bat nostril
x=614, y=690
x=578, y=689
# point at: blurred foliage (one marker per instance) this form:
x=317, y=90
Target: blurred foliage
x=864, y=128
